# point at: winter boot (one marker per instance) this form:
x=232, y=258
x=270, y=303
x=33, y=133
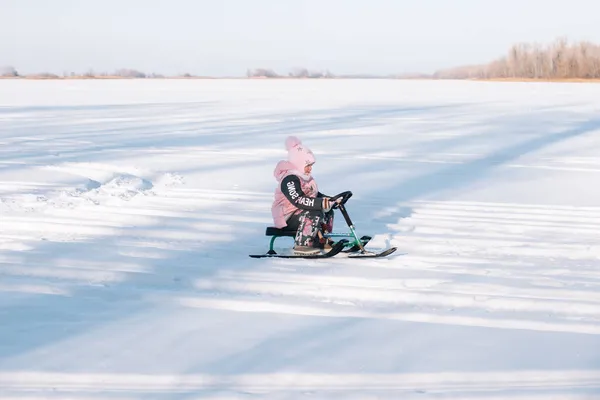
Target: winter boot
x=305, y=250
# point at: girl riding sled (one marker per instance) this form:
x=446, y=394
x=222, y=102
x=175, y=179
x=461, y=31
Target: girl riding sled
x=298, y=204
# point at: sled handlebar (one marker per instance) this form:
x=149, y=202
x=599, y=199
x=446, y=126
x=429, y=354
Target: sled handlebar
x=344, y=196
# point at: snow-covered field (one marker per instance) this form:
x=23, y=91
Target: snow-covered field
x=128, y=210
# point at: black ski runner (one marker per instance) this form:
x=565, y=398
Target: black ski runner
x=371, y=254
x=335, y=249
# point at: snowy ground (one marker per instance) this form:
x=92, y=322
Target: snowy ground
x=128, y=210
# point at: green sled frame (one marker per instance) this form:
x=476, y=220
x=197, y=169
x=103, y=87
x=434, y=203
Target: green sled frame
x=353, y=244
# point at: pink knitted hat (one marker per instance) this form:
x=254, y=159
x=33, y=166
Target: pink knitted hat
x=298, y=154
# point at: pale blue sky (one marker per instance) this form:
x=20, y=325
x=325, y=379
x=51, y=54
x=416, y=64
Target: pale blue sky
x=225, y=37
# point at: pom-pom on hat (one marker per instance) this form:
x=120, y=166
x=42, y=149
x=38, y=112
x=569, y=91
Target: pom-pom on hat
x=298, y=154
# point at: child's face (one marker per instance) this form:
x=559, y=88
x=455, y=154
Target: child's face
x=308, y=169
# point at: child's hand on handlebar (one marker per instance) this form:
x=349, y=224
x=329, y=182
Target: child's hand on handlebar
x=328, y=204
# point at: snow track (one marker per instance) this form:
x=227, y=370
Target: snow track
x=128, y=210
x=483, y=264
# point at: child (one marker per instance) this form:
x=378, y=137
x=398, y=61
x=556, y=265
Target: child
x=298, y=204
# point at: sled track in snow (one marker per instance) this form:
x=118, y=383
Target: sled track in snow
x=489, y=264
x=127, y=240
x=468, y=263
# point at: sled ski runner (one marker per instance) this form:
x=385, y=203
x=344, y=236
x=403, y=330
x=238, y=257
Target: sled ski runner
x=372, y=254
x=335, y=249
x=349, y=248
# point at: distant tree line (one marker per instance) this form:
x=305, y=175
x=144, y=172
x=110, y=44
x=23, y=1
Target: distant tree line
x=9, y=71
x=295, y=73
x=558, y=60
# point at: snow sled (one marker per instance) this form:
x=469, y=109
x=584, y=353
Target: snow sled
x=349, y=244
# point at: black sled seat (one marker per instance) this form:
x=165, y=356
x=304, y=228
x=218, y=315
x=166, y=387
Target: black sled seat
x=273, y=231
x=277, y=232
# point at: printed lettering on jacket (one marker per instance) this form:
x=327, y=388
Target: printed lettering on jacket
x=296, y=192
x=307, y=202
x=292, y=190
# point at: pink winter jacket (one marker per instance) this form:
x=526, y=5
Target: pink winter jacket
x=282, y=209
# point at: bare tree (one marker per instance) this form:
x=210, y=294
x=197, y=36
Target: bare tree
x=46, y=75
x=299, y=73
x=8, y=71
x=559, y=60
x=261, y=73
x=129, y=73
